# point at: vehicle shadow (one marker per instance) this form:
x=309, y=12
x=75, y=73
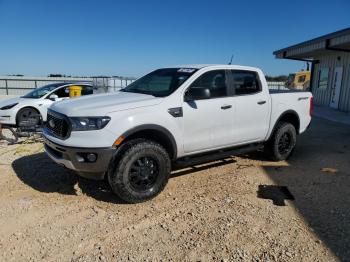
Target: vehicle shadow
x=318, y=177
x=186, y=170
x=48, y=177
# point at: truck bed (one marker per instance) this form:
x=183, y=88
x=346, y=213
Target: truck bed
x=275, y=91
x=291, y=100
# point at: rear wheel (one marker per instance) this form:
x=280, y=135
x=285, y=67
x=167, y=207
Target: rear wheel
x=28, y=116
x=141, y=172
x=282, y=142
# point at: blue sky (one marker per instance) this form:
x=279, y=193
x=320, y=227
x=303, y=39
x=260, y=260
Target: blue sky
x=133, y=37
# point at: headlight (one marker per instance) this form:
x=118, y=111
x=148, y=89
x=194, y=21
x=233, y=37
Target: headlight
x=88, y=123
x=8, y=106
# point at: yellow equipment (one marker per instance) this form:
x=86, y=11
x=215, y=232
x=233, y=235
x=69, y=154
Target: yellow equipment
x=74, y=91
x=300, y=80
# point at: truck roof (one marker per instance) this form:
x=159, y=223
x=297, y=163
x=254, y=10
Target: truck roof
x=200, y=66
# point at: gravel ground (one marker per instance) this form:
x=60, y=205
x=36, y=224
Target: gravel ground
x=206, y=213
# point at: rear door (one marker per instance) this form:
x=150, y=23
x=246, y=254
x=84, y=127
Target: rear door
x=252, y=107
x=208, y=123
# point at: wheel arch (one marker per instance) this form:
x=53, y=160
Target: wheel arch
x=155, y=133
x=289, y=116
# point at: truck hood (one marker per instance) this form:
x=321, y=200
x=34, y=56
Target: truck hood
x=99, y=105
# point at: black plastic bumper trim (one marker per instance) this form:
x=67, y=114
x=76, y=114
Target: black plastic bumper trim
x=59, y=152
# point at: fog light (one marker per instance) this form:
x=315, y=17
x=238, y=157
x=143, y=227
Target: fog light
x=91, y=157
x=80, y=159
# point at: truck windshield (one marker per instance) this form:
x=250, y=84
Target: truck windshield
x=41, y=91
x=161, y=82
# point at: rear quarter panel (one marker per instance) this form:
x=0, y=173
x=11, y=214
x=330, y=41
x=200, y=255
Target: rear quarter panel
x=298, y=102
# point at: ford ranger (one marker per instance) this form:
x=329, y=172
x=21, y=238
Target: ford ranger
x=173, y=116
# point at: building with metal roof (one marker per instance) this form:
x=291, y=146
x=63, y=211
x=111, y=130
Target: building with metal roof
x=330, y=71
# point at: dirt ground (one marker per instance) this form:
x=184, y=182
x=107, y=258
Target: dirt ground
x=206, y=213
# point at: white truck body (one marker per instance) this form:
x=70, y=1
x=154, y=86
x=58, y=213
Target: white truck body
x=202, y=129
x=190, y=127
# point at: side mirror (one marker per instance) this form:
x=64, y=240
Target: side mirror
x=53, y=97
x=197, y=93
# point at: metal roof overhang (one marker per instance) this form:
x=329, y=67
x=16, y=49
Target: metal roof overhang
x=309, y=50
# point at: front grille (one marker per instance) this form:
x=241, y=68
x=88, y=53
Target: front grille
x=57, y=124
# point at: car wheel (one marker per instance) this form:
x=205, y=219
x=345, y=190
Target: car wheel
x=141, y=172
x=282, y=142
x=28, y=116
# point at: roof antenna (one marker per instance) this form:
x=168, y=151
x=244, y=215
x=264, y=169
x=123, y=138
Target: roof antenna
x=230, y=63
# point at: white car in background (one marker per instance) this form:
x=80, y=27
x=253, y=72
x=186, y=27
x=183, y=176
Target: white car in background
x=33, y=106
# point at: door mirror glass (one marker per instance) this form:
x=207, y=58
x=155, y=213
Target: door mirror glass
x=197, y=93
x=53, y=97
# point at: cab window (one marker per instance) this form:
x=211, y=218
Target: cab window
x=245, y=82
x=301, y=79
x=215, y=81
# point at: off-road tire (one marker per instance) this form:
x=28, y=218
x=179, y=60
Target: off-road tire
x=272, y=149
x=120, y=175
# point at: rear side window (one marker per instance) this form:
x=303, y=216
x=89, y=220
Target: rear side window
x=87, y=90
x=245, y=82
x=301, y=78
x=215, y=81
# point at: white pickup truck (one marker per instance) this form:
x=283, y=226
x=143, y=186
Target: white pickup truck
x=173, y=116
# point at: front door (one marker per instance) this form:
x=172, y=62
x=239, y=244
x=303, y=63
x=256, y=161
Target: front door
x=336, y=87
x=208, y=123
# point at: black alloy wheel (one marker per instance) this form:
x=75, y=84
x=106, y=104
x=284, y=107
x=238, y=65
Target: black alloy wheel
x=284, y=144
x=143, y=173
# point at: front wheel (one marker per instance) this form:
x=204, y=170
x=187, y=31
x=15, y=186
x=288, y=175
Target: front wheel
x=141, y=172
x=282, y=142
x=28, y=117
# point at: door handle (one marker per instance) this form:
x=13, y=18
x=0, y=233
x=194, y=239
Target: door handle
x=224, y=107
x=261, y=102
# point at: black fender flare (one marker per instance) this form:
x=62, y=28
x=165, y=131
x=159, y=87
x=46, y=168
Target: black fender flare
x=156, y=128
x=292, y=112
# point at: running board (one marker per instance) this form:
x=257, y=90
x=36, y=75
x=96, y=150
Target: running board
x=215, y=155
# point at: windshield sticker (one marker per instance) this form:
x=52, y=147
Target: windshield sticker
x=186, y=70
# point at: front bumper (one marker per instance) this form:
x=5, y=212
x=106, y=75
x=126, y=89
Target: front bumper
x=6, y=119
x=8, y=116
x=75, y=159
